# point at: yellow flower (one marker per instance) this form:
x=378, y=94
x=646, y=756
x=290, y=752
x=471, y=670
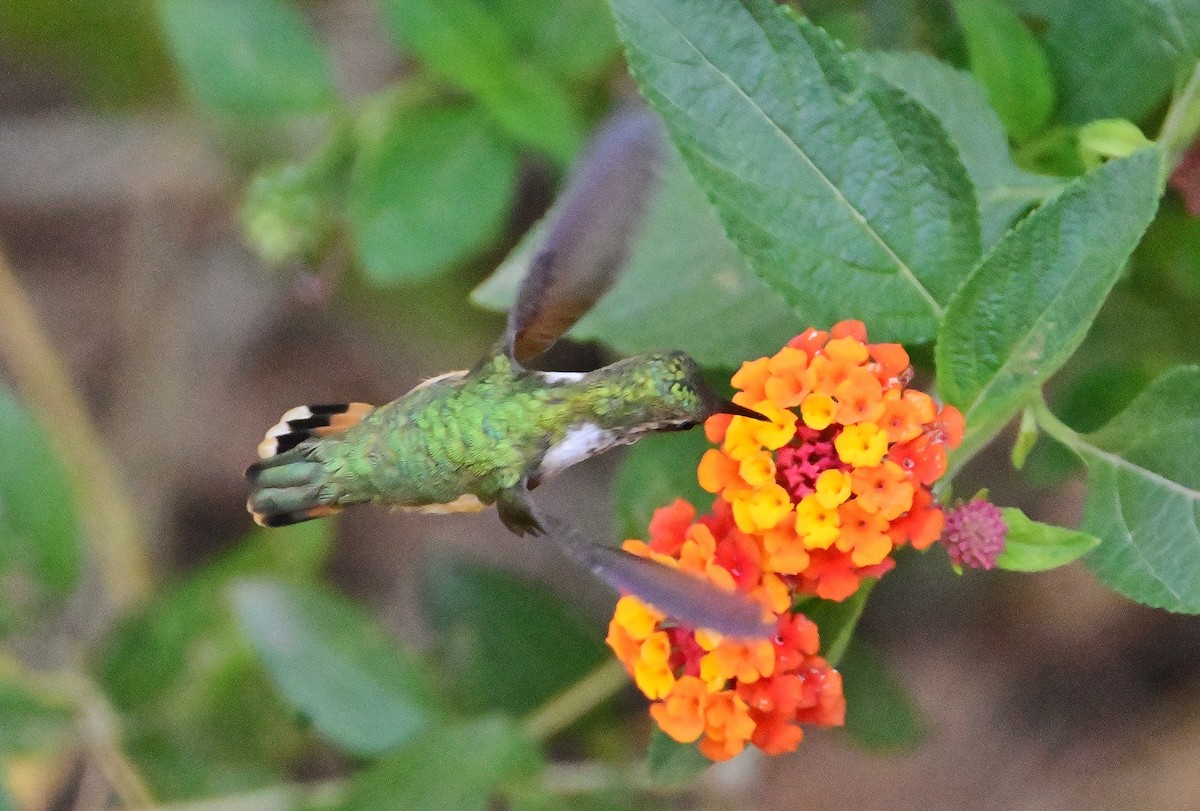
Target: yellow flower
x=816, y=523
x=818, y=410
x=637, y=618
x=761, y=509
x=653, y=671
x=833, y=487
x=861, y=445
x=758, y=469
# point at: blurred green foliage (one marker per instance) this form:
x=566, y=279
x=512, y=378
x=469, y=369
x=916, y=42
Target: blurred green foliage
x=990, y=238
x=39, y=532
x=110, y=51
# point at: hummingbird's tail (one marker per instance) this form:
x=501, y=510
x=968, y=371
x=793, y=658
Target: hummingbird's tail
x=289, y=483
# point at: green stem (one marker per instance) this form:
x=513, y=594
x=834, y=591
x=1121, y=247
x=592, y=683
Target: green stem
x=576, y=701
x=1055, y=427
x=111, y=527
x=1182, y=123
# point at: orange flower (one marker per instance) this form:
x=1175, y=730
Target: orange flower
x=716, y=426
x=785, y=552
x=891, y=361
x=727, y=725
x=901, y=419
x=811, y=501
x=718, y=472
x=850, y=328
x=863, y=534
x=681, y=715
x=742, y=660
x=922, y=525
x=752, y=378
x=884, y=489
x=859, y=398
x=787, y=384
x=669, y=525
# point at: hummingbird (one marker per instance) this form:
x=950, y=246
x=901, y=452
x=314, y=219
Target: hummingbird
x=465, y=440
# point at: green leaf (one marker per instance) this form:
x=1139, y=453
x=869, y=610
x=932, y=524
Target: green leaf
x=792, y=142
x=335, y=665
x=1029, y=304
x=1027, y=436
x=432, y=190
x=199, y=713
x=454, y=767
x=513, y=643
x=31, y=720
x=682, y=240
x=1031, y=546
x=655, y=472
x=39, y=530
x=1009, y=63
x=1144, y=493
x=836, y=621
x=247, y=56
x=460, y=42
x=1119, y=58
x=1109, y=138
x=1003, y=191
x=573, y=39
x=880, y=714
x=668, y=761
x=220, y=729
x=149, y=650
x=6, y=803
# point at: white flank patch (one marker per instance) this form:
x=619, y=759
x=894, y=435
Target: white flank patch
x=562, y=377
x=581, y=442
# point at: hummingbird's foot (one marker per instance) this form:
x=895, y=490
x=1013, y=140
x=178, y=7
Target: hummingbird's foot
x=518, y=512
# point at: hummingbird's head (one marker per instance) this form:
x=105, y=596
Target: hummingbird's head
x=679, y=395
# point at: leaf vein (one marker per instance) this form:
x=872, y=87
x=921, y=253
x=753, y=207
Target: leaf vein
x=905, y=271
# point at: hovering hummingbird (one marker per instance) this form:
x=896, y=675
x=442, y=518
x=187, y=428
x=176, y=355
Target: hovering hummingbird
x=489, y=435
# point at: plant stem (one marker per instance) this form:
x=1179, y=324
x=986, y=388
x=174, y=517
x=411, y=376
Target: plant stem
x=576, y=701
x=1182, y=122
x=1055, y=427
x=96, y=721
x=110, y=526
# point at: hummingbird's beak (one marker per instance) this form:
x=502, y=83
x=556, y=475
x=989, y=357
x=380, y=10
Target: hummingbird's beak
x=715, y=404
x=730, y=407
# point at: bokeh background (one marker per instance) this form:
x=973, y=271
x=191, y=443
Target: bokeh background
x=122, y=222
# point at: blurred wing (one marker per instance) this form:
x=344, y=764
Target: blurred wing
x=687, y=598
x=590, y=233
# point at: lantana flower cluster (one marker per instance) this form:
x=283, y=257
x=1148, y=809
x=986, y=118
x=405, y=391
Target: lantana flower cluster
x=809, y=501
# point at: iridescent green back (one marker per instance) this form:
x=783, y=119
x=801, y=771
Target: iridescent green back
x=486, y=431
